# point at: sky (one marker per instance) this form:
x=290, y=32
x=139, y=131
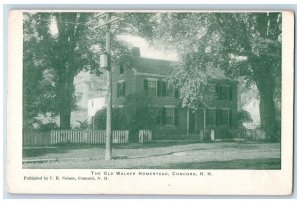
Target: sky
x=147, y=50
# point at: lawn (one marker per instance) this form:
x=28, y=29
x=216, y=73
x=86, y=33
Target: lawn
x=159, y=155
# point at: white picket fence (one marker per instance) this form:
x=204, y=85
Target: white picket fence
x=87, y=136
x=145, y=136
x=36, y=138
x=32, y=139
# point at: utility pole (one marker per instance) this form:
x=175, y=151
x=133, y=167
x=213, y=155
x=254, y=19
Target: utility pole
x=105, y=63
x=108, y=142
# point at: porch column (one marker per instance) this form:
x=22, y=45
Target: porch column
x=196, y=122
x=204, y=122
x=187, y=122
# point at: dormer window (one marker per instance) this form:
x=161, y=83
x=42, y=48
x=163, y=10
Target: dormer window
x=121, y=69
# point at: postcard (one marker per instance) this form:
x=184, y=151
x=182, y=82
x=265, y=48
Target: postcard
x=169, y=102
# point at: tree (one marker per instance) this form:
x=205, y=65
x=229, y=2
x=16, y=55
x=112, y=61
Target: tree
x=234, y=44
x=64, y=44
x=38, y=87
x=59, y=52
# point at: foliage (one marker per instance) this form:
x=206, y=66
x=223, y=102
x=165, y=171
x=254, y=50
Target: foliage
x=63, y=44
x=83, y=125
x=210, y=45
x=243, y=117
x=38, y=88
x=136, y=114
x=46, y=126
x=233, y=44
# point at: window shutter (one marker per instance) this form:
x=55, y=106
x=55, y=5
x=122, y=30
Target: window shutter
x=207, y=117
x=176, y=93
x=176, y=116
x=159, y=116
x=218, y=91
x=230, y=93
x=218, y=116
x=230, y=117
x=124, y=89
x=118, y=89
x=164, y=88
x=163, y=117
x=146, y=86
x=121, y=69
x=158, y=93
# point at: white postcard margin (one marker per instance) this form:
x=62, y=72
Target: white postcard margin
x=222, y=182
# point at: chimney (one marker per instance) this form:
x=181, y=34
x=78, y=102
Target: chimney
x=136, y=52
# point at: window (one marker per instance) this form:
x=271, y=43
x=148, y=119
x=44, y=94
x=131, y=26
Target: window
x=163, y=88
x=121, y=69
x=210, y=117
x=169, y=91
x=158, y=88
x=121, y=89
x=224, y=92
x=152, y=87
x=169, y=116
x=176, y=93
x=223, y=116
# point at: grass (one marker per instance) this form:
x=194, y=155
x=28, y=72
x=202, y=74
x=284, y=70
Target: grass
x=67, y=147
x=260, y=164
x=158, y=155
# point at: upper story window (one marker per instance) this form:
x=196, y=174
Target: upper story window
x=224, y=92
x=121, y=68
x=160, y=88
x=169, y=91
x=152, y=88
x=176, y=93
x=121, y=89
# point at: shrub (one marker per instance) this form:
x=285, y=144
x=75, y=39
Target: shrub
x=243, y=117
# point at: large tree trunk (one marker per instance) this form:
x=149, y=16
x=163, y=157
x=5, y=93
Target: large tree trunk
x=65, y=99
x=266, y=86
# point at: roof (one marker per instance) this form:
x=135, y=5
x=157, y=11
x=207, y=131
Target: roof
x=165, y=68
x=249, y=101
x=152, y=66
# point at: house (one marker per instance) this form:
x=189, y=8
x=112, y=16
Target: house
x=147, y=78
x=95, y=104
x=252, y=107
x=89, y=97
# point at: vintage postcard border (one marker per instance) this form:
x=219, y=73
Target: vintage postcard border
x=221, y=182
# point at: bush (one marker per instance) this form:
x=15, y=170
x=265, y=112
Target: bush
x=130, y=117
x=83, y=125
x=243, y=117
x=47, y=126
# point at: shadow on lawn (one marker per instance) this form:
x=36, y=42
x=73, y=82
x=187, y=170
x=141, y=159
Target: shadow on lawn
x=259, y=164
x=154, y=144
x=36, y=152
x=66, y=147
